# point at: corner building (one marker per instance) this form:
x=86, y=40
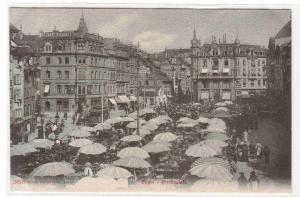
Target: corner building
x=76, y=71
x=227, y=71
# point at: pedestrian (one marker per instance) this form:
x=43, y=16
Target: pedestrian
x=73, y=118
x=65, y=115
x=253, y=181
x=242, y=182
x=245, y=136
x=56, y=116
x=266, y=152
x=252, y=149
x=258, y=148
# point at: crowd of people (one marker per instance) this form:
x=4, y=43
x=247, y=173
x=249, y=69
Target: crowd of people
x=172, y=164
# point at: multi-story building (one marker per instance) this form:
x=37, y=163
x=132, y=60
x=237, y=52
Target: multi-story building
x=155, y=87
x=76, y=71
x=227, y=71
x=24, y=83
x=279, y=62
x=178, y=70
x=279, y=73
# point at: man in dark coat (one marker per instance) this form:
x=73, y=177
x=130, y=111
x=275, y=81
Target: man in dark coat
x=242, y=181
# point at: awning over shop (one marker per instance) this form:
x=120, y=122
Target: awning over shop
x=112, y=101
x=226, y=95
x=244, y=92
x=215, y=71
x=203, y=70
x=123, y=99
x=132, y=98
x=47, y=88
x=225, y=70
x=204, y=95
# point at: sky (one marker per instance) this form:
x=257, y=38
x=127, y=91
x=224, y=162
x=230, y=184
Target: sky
x=157, y=29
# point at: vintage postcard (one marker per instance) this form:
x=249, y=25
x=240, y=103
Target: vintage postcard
x=109, y=99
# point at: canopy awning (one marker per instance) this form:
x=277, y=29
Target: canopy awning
x=203, y=70
x=226, y=95
x=215, y=71
x=113, y=101
x=244, y=92
x=132, y=98
x=47, y=88
x=225, y=70
x=123, y=99
x=205, y=95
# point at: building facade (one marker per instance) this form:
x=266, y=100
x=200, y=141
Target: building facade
x=227, y=71
x=279, y=62
x=77, y=72
x=24, y=84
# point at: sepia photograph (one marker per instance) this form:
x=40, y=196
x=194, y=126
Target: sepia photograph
x=178, y=100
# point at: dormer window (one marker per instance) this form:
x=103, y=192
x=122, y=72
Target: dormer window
x=48, y=47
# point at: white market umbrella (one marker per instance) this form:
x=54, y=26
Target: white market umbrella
x=143, y=131
x=114, y=172
x=225, y=109
x=202, y=151
x=166, y=137
x=133, y=115
x=86, y=128
x=165, y=117
x=53, y=169
x=220, y=104
x=157, y=121
x=186, y=120
x=80, y=142
x=216, y=125
x=132, y=162
x=151, y=127
x=131, y=138
x=187, y=125
x=217, y=136
x=128, y=119
x=146, y=111
x=42, y=143
x=103, y=126
x=92, y=149
x=133, y=152
x=211, y=161
x=156, y=147
x=80, y=133
x=133, y=125
x=214, y=143
x=203, y=120
x=22, y=149
x=112, y=121
x=212, y=171
x=228, y=102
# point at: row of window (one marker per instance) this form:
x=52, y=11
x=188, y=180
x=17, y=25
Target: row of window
x=215, y=62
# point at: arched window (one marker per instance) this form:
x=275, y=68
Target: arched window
x=48, y=47
x=47, y=106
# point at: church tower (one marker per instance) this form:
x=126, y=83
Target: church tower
x=82, y=28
